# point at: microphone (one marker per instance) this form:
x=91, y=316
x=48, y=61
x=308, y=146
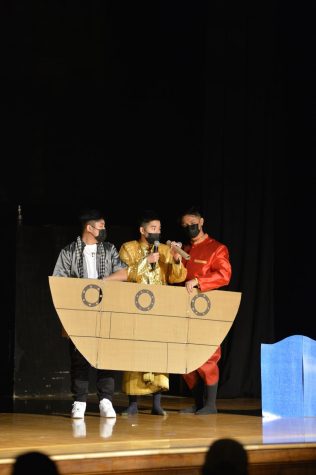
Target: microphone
x=155, y=249
x=179, y=250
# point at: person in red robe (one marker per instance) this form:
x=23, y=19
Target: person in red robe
x=208, y=268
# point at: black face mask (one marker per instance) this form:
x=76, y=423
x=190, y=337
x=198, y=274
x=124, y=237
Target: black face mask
x=101, y=236
x=152, y=237
x=192, y=230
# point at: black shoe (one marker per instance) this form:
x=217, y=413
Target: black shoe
x=130, y=410
x=206, y=410
x=158, y=411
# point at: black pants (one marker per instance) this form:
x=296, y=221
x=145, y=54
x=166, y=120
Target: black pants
x=79, y=377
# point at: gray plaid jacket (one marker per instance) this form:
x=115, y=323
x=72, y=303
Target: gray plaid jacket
x=67, y=264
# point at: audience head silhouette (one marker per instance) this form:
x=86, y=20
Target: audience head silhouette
x=225, y=457
x=35, y=463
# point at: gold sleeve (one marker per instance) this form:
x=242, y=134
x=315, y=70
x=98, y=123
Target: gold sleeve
x=175, y=272
x=137, y=263
x=178, y=273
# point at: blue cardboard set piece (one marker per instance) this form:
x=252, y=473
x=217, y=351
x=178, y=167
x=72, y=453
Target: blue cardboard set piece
x=288, y=378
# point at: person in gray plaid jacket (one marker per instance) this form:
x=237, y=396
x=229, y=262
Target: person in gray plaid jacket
x=90, y=256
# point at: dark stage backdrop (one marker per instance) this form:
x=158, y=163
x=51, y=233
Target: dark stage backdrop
x=126, y=105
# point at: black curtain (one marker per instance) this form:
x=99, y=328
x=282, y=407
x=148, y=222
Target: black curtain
x=242, y=142
x=127, y=105
x=258, y=173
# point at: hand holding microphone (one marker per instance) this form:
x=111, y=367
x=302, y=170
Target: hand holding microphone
x=176, y=247
x=153, y=257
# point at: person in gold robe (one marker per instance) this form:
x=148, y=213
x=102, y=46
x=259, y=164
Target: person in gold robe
x=149, y=262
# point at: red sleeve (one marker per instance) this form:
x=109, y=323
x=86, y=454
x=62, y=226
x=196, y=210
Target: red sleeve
x=217, y=272
x=209, y=263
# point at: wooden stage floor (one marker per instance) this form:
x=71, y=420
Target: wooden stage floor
x=173, y=444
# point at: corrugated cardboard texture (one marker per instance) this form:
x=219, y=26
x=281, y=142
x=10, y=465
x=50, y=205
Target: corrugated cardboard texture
x=134, y=327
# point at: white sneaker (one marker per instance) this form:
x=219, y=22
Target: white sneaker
x=106, y=408
x=78, y=410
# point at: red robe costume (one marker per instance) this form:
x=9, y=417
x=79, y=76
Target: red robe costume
x=209, y=264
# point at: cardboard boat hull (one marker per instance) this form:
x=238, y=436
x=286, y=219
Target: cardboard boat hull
x=134, y=327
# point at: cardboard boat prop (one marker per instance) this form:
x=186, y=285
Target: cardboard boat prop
x=134, y=327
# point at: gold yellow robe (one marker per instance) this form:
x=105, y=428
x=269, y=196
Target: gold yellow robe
x=167, y=271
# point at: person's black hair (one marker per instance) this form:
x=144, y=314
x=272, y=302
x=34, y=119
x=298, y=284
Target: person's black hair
x=226, y=457
x=147, y=216
x=190, y=210
x=90, y=214
x=35, y=463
